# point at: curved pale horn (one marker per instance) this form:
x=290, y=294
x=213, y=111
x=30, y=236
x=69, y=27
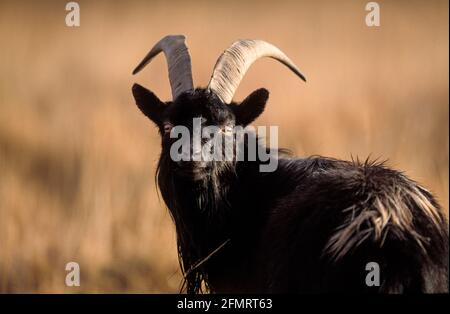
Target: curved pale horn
x=231, y=66
x=178, y=61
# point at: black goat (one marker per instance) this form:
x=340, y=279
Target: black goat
x=312, y=225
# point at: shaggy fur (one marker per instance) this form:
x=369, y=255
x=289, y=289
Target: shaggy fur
x=310, y=226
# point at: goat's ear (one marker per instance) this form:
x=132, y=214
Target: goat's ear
x=148, y=103
x=251, y=107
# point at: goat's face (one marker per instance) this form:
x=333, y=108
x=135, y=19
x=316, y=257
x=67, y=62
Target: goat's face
x=205, y=124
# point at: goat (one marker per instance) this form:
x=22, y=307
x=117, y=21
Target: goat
x=310, y=226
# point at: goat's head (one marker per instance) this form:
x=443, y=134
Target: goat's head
x=204, y=107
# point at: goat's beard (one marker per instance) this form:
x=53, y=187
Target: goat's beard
x=197, y=203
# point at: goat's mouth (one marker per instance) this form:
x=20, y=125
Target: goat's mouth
x=193, y=170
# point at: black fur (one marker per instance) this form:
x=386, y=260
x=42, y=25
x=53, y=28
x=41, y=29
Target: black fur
x=310, y=226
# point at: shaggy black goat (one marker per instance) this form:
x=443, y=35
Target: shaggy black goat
x=312, y=225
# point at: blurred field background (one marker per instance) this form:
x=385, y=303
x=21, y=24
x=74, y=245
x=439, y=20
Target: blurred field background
x=77, y=159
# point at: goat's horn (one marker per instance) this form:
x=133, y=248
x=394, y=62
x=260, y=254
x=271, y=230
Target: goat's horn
x=231, y=66
x=178, y=61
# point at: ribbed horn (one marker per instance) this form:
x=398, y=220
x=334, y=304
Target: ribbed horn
x=231, y=66
x=178, y=61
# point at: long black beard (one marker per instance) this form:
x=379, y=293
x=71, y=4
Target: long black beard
x=201, y=212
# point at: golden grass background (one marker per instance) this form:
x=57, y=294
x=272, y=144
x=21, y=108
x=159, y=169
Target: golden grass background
x=77, y=159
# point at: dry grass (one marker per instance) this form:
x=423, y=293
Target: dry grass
x=77, y=159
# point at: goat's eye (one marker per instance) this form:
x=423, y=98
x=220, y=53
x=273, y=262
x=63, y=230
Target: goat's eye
x=167, y=127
